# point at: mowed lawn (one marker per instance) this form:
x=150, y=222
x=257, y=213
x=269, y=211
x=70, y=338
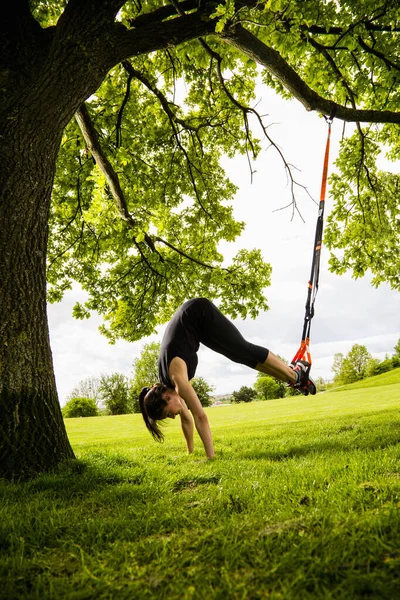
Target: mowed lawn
x=302, y=501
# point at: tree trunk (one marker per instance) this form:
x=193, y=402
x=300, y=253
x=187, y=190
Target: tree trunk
x=32, y=431
x=45, y=75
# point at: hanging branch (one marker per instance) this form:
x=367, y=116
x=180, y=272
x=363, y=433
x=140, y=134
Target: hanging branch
x=182, y=253
x=91, y=138
x=173, y=119
x=340, y=77
x=389, y=63
x=118, y=134
x=92, y=141
x=246, y=110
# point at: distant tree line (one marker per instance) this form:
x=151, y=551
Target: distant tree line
x=359, y=364
x=107, y=394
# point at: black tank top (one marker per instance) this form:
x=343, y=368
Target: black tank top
x=181, y=338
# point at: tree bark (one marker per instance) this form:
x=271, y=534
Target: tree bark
x=32, y=432
x=43, y=82
x=45, y=75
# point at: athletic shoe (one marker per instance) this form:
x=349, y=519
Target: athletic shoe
x=304, y=383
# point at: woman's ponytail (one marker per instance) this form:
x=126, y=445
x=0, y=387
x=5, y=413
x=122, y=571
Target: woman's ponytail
x=152, y=406
x=142, y=396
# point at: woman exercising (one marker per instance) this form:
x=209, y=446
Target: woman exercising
x=197, y=322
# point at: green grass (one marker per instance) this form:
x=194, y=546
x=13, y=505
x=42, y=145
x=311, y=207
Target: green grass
x=301, y=502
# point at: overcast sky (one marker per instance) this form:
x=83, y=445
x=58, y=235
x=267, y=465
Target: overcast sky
x=347, y=312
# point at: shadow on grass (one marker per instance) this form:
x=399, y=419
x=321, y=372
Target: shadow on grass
x=76, y=478
x=194, y=482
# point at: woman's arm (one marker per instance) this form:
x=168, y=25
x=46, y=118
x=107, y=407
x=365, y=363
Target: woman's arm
x=187, y=427
x=179, y=377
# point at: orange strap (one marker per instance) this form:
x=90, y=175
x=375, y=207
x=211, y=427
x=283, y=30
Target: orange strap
x=304, y=349
x=326, y=161
x=303, y=352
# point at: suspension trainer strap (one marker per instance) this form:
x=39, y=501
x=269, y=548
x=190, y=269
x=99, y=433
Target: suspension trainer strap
x=304, y=349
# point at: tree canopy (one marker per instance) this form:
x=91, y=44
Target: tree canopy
x=140, y=200
x=145, y=367
x=269, y=388
x=359, y=363
x=244, y=394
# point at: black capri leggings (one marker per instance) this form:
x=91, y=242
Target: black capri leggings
x=219, y=334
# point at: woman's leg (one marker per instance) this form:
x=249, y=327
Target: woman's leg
x=275, y=367
x=222, y=336
x=298, y=376
x=219, y=334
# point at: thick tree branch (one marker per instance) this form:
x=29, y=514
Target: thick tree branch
x=159, y=36
x=92, y=141
x=250, y=45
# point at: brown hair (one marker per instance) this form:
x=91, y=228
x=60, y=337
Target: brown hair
x=152, y=407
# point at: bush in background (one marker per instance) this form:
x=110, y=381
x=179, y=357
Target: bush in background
x=245, y=394
x=268, y=388
x=203, y=390
x=80, y=407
